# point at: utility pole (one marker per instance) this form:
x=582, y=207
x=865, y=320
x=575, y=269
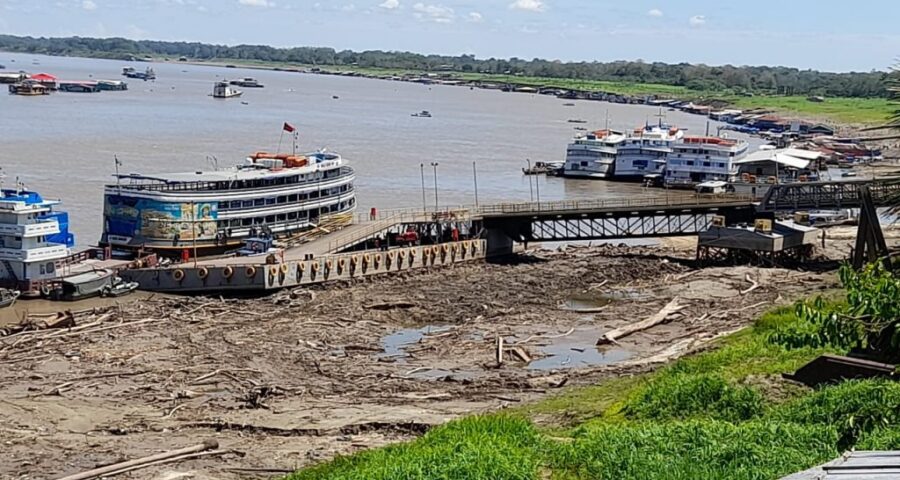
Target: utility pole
x=434, y=165
x=528, y=174
x=424, y=202
x=475, y=178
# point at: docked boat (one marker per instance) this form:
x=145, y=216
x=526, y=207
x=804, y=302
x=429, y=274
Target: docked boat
x=423, y=113
x=8, y=297
x=147, y=74
x=29, y=88
x=696, y=160
x=34, y=240
x=119, y=288
x=214, y=211
x=645, y=151
x=79, y=87
x=83, y=285
x=12, y=77
x=247, y=82
x=543, y=168
x=113, y=85
x=593, y=155
x=224, y=90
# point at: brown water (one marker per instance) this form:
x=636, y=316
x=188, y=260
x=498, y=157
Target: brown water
x=63, y=145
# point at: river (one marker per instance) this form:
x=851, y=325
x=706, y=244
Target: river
x=63, y=145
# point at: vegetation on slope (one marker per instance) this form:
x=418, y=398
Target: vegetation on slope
x=725, y=413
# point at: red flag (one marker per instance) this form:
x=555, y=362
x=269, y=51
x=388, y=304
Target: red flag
x=288, y=127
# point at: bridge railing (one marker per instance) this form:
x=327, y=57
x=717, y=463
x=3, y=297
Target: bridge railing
x=676, y=200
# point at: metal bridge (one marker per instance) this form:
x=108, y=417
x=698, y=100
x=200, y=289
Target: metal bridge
x=818, y=195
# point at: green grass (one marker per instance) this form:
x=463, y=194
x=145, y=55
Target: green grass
x=868, y=111
x=725, y=413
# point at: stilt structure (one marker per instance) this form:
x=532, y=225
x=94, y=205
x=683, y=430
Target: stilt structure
x=870, y=245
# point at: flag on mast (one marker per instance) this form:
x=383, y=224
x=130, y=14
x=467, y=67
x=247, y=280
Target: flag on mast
x=288, y=127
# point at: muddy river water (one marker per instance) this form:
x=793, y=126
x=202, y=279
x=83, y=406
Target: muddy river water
x=63, y=145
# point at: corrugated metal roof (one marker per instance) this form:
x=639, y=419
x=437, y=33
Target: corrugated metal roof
x=863, y=465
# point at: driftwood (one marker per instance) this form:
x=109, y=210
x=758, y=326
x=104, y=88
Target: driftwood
x=753, y=285
x=164, y=457
x=613, y=335
x=521, y=353
x=499, y=350
x=390, y=306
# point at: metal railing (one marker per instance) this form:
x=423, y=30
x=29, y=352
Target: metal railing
x=679, y=200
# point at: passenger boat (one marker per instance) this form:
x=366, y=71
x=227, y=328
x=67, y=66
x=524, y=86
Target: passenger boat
x=112, y=85
x=593, y=155
x=214, y=211
x=423, y=113
x=34, y=239
x=79, y=87
x=247, y=82
x=696, y=160
x=29, y=88
x=645, y=150
x=224, y=90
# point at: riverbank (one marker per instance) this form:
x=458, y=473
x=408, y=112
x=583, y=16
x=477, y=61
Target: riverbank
x=851, y=113
x=291, y=380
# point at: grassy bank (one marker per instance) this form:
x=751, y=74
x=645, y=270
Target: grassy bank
x=868, y=111
x=721, y=414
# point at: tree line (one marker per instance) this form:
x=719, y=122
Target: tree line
x=702, y=78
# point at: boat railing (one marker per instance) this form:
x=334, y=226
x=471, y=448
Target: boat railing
x=218, y=185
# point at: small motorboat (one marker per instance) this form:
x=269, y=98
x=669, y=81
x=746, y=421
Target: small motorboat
x=8, y=297
x=568, y=104
x=224, y=90
x=577, y=120
x=247, y=82
x=335, y=97
x=423, y=114
x=119, y=288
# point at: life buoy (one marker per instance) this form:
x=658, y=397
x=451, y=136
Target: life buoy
x=354, y=260
x=315, y=267
x=435, y=249
x=203, y=273
x=284, y=268
x=341, y=263
x=298, y=273
x=474, y=247
x=377, y=261
x=329, y=264
x=445, y=248
x=178, y=275
x=402, y=254
x=228, y=272
x=250, y=272
x=273, y=270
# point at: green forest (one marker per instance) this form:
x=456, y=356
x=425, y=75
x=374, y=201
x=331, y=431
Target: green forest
x=727, y=79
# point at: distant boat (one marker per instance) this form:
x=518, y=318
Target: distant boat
x=335, y=97
x=79, y=87
x=247, y=83
x=224, y=90
x=568, y=104
x=577, y=120
x=8, y=297
x=423, y=114
x=147, y=74
x=29, y=88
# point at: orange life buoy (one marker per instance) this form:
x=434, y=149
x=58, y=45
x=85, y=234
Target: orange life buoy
x=284, y=268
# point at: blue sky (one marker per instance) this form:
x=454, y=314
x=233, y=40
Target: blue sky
x=825, y=34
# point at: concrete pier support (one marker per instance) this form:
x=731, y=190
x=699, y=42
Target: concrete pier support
x=499, y=244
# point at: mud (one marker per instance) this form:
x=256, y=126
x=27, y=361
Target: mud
x=298, y=377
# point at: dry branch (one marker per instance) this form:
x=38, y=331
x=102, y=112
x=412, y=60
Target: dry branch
x=614, y=335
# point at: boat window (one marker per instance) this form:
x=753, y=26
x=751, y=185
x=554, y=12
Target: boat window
x=248, y=203
x=223, y=205
x=236, y=204
x=51, y=267
x=270, y=201
x=282, y=199
x=292, y=216
x=246, y=222
x=303, y=196
x=313, y=194
x=282, y=217
x=42, y=269
x=270, y=219
x=259, y=202
x=292, y=198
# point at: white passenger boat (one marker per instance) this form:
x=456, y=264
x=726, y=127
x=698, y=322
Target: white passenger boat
x=645, y=150
x=216, y=210
x=593, y=155
x=696, y=160
x=224, y=90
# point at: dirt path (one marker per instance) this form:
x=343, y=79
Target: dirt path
x=296, y=378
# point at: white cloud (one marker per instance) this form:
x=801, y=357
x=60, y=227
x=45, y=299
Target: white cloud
x=528, y=5
x=435, y=13
x=88, y=5
x=256, y=3
x=476, y=17
x=655, y=13
x=390, y=4
x=697, y=20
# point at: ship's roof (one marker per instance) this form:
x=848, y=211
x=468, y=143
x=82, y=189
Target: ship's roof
x=242, y=172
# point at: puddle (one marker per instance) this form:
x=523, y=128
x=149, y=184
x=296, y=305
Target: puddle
x=396, y=343
x=587, y=302
x=579, y=350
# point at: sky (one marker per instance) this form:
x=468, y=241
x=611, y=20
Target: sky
x=826, y=35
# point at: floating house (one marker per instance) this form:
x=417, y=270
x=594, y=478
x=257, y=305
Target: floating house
x=46, y=80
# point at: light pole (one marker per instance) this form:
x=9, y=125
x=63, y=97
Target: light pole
x=434, y=165
x=475, y=178
x=537, y=187
x=528, y=174
x=424, y=202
